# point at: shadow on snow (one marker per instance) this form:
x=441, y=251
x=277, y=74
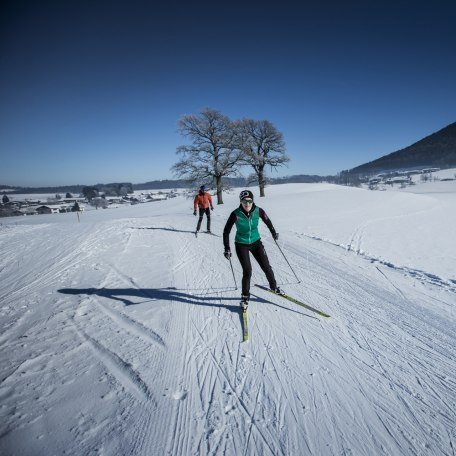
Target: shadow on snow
x=170, y=229
x=155, y=294
x=166, y=294
x=161, y=228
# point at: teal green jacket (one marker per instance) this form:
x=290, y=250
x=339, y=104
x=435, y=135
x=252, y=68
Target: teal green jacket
x=246, y=226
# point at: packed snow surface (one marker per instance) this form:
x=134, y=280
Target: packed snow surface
x=121, y=333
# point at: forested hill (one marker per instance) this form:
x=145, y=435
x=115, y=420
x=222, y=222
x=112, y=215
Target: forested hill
x=436, y=150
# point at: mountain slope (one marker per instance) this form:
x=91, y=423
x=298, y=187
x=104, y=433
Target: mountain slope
x=436, y=150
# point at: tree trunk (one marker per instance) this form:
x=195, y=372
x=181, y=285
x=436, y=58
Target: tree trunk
x=218, y=183
x=261, y=180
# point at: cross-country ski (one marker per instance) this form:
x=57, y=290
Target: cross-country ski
x=294, y=300
x=245, y=327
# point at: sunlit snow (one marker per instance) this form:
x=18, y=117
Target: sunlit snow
x=121, y=333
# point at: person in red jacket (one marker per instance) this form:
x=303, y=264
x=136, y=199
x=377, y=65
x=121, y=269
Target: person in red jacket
x=203, y=201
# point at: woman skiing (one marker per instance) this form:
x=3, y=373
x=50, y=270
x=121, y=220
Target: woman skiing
x=203, y=201
x=247, y=240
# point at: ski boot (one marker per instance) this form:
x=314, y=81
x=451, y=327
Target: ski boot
x=244, y=302
x=278, y=291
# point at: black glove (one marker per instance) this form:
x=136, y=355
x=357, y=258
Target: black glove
x=194, y=212
x=276, y=236
x=227, y=254
x=212, y=208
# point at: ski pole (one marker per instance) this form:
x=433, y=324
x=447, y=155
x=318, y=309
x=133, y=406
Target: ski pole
x=232, y=270
x=287, y=261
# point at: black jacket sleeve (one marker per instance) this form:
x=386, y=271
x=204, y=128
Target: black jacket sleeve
x=267, y=220
x=226, y=231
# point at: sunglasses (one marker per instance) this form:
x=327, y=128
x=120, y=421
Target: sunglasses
x=246, y=201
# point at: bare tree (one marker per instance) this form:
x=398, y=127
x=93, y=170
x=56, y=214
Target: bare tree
x=98, y=201
x=212, y=153
x=262, y=145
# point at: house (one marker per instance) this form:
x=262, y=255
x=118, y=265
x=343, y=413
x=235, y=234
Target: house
x=114, y=199
x=73, y=200
x=48, y=209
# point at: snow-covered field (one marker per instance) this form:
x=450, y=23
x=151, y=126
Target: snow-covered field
x=121, y=334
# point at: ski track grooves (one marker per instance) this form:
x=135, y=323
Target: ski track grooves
x=119, y=369
x=417, y=274
x=376, y=379
x=65, y=260
x=132, y=326
x=243, y=406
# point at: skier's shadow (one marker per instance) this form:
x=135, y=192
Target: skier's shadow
x=160, y=228
x=153, y=294
x=167, y=294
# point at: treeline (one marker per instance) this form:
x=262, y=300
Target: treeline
x=162, y=184
x=113, y=189
x=237, y=182
x=74, y=189
x=120, y=189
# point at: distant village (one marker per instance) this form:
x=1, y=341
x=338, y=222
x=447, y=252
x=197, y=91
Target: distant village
x=102, y=198
x=400, y=178
x=21, y=205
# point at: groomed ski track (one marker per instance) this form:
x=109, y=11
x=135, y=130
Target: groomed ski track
x=129, y=311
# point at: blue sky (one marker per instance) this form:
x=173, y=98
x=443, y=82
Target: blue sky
x=92, y=91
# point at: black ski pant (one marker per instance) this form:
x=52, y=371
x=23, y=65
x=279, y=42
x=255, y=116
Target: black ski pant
x=203, y=211
x=259, y=253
